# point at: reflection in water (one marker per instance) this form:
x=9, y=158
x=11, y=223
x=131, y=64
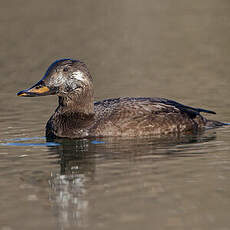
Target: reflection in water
x=70, y=189
x=69, y=186
x=26, y=141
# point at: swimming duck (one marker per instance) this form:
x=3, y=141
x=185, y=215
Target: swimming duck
x=78, y=116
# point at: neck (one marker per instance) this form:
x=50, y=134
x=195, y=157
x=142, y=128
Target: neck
x=82, y=104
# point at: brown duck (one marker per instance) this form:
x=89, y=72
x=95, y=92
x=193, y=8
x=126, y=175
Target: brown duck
x=78, y=116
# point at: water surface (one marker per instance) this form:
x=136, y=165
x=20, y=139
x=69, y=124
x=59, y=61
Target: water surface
x=173, y=49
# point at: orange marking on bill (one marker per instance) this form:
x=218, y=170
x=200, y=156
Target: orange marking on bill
x=43, y=89
x=22, y=94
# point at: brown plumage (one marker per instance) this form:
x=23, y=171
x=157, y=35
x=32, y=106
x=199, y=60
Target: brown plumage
x=77, y=116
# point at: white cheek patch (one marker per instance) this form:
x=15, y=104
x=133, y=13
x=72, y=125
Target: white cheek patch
x=59, y=80
x=78, y=75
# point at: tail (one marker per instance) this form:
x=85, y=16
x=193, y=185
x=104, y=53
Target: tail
x=212, y=123
x=215, y=124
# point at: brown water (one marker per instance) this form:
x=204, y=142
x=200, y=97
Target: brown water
x=174, y=49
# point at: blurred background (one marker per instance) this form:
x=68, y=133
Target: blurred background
x=177, y=49
x=174, y=49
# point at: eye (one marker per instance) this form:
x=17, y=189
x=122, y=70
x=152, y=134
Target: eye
x=65, y=69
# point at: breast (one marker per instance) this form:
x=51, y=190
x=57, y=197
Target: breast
x=70, y=125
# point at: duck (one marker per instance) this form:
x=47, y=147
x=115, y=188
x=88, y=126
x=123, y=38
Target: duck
x=78, y=116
